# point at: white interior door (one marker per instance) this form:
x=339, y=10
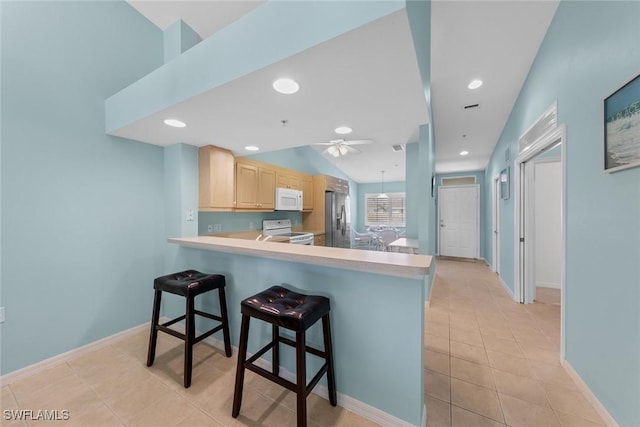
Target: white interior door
x=496, y=225
x=458, y=208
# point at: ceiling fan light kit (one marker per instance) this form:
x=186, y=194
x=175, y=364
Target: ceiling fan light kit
x=340, y=147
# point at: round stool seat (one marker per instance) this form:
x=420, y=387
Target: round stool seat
x=188, y=283
x=285, y=308
x=297, y=312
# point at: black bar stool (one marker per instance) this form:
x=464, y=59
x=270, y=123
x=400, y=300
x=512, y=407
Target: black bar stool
x=188, y=284
x=297, y=312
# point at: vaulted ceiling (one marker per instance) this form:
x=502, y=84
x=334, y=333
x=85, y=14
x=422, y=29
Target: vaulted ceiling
x=368, y=80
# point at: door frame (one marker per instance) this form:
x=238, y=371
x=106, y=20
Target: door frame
x=495, y=224
x=531, y=228
x=477, y=239
x=523, y=265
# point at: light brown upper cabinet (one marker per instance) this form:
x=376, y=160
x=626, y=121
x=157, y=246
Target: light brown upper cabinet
x=288, y=180
x=255, y=185
x=307, y=193
x=216, y=179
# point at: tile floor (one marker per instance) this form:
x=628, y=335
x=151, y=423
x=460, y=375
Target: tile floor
x=492, y=362
x=113, y=387
x=489, y=362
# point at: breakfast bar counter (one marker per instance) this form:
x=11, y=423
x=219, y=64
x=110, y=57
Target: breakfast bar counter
x=386, y=263
x=377, y=314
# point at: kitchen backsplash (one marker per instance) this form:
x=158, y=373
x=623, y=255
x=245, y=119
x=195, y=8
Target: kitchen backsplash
x=228, y=222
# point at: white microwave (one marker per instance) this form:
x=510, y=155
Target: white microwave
x=288, y=199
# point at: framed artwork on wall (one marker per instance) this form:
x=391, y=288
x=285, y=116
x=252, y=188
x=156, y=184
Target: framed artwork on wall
x=622, y=127
x=504, y=183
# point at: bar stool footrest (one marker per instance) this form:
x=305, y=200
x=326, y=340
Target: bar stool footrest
x=284, y=382
x=164, y=327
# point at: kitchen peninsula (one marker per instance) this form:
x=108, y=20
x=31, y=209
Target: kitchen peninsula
x=377, y=313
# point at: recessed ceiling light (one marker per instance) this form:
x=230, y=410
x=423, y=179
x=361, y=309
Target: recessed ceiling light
x=464, y=153
x=175, y=123
x=286, y=86
x=251, y=148
x=343, y=130
x=475, y=84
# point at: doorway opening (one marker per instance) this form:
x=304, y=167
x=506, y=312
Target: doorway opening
x=542, y=167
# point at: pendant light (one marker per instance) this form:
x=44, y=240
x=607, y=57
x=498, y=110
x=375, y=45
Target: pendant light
x=382, y=195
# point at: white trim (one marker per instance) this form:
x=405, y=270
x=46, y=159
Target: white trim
x=558, y=134
x=495, y=224
x=588, y=394
x=424, y=416
x=354, y=405
x=367, y=411
x=442, y=178
x=448, y=187
x=506, y=287
x=20, y=374
x=550, y=285
x=552, y=109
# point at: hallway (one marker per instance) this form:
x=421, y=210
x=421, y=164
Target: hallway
x=492, y=362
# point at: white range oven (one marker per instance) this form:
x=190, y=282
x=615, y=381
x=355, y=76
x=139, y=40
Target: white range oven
x=280, y=231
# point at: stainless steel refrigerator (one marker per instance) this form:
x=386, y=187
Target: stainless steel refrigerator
x=337, y=219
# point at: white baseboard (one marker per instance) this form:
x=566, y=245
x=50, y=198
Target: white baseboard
x=548, y=285
x=14, y=376
x=506, y=287
x=588, y=394
x=367, y=411
x=354, y=405
x=424, y=416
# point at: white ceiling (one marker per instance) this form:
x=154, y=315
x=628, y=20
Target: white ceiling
x=495, y=41
x=367, y=79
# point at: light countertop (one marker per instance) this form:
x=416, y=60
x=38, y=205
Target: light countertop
x=385, y=263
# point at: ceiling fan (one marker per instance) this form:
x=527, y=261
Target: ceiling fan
x=340, y=147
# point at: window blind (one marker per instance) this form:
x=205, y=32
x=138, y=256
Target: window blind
x=385, y=211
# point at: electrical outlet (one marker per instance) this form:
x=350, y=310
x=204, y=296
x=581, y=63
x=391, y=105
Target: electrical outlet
x=210, y=228
x=190, y=215
x=217, y=227
x=251, y=226
x=1, y=314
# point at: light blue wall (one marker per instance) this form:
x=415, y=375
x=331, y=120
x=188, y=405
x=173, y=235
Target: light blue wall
x=413, y=189
x=590, y=50
x=178, y=38
x=82, y=212
x=480, y=180
x=363, y=189
x=421, y=171
x=396, y=390
x=242, y=221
